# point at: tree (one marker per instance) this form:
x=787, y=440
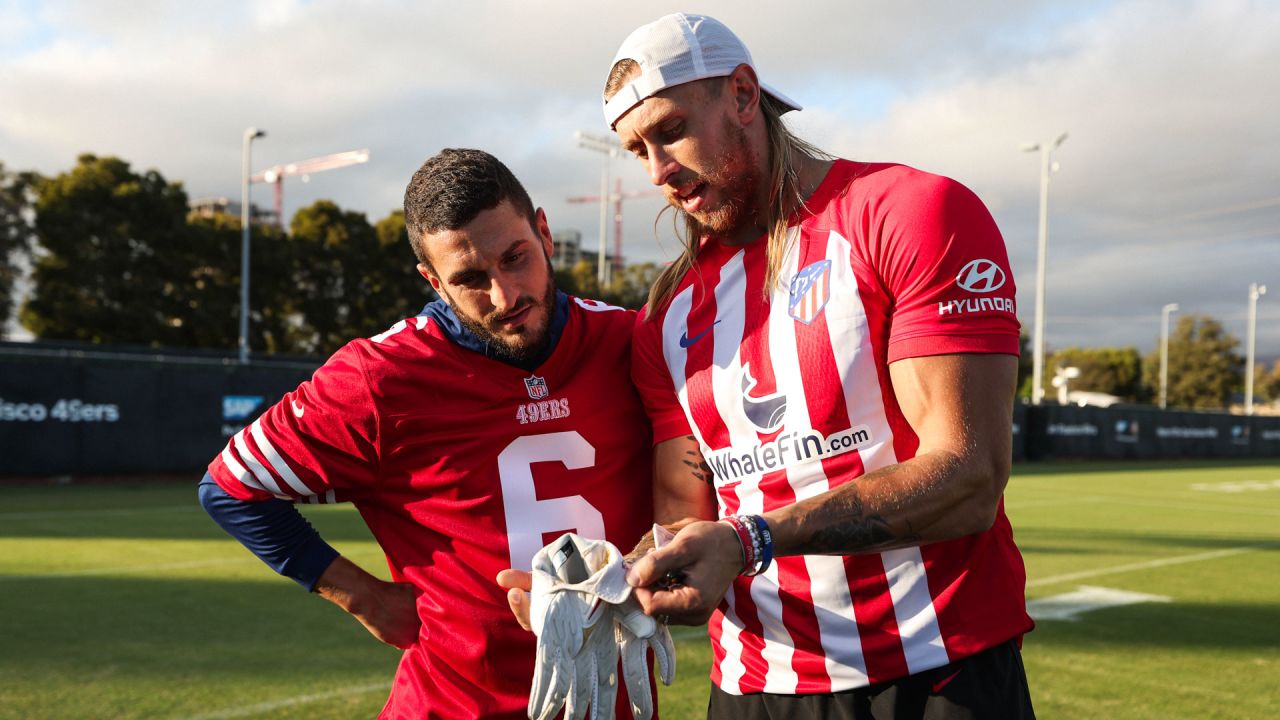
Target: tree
x=15, y=235
x=1204, y=369
x=349, y=279
x=1115, y=371
x=105, y=234
x=629, y=287
x=1266, y=385
x=1025, y=366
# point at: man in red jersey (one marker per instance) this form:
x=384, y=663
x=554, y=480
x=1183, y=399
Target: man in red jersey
x=468, y=437
x=829, y=369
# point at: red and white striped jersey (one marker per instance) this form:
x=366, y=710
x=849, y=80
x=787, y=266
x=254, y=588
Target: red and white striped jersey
x=462, y=466
x=789, y=395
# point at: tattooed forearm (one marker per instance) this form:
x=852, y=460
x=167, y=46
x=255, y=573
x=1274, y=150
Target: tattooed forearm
x=850, y=529
x=697, y=465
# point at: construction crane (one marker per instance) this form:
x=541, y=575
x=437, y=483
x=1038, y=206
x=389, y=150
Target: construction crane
x=617, y=197
x=275, y=175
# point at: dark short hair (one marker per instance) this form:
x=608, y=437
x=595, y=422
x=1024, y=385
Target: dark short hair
x=455, y=186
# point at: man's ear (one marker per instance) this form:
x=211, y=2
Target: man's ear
x=429, y=276
x=544, y=232
x=745, y=87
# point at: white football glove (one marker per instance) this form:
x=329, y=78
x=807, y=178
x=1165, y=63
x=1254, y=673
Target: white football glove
x=576, y=583
x=637, y=633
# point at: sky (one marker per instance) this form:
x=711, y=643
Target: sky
x=1168, y=189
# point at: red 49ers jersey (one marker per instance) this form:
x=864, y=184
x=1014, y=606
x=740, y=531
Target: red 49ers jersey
x=789, y=396
x=462, y=466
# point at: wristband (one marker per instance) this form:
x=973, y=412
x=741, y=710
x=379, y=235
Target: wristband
x=765, y=555
x=745, y=541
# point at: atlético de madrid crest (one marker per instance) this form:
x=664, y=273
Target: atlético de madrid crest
x=536, y=386
x=810, y=291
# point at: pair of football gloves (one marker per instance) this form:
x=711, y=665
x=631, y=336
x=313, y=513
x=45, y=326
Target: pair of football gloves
x=585, y=617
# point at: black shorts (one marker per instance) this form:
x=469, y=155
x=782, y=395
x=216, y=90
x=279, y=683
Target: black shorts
x=991, y=684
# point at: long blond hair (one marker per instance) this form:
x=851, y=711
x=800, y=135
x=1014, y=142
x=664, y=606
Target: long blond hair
x=785, y=196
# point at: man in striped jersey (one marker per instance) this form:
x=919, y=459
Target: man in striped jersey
x=468, y=437
x=829, y=369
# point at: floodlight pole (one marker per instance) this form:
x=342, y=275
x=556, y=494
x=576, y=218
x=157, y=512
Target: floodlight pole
x=249, y=136
x=610, y=148
x=1164, y=352
x=1047, y=166
x=1255, y=291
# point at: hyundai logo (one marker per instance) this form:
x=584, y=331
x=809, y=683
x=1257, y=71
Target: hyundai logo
x=980, y=276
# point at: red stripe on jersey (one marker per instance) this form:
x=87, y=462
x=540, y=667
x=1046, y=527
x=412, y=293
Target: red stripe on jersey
x=699, y=356
x=877, y=623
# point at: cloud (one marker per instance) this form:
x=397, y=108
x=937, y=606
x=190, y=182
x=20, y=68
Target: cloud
x=1162, y=196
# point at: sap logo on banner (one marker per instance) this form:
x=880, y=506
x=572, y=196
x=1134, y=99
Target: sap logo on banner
x=1127, y=431
x=238, y=408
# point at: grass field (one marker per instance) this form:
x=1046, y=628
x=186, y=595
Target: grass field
x=125, y=601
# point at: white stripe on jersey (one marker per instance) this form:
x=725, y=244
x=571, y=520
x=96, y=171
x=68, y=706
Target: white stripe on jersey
x=829, y=585
x=731, y=668
x=277, y=462
x=263, y=475
x=908, y=586
x=913, y=608
x=245, y=478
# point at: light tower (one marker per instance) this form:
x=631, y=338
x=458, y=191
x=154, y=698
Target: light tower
x=1255, y=291
x=1164, y=352
x=610, y=149
x=1047, y=166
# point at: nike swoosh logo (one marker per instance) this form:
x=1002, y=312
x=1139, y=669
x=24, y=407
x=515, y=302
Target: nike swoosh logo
x=297, y=409
x=686, y=341
x=937, y=687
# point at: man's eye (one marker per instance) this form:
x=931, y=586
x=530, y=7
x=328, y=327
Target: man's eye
x=671, y=132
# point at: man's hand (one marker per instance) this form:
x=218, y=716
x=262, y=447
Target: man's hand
x=518, y=583
x=388, y=610
x=706, y=556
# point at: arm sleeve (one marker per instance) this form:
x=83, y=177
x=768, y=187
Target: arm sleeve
x=943, y=263
x=319, y=444
x=273, y=530
x=652, y=379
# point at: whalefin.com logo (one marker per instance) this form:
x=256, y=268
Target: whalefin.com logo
x=790, y=449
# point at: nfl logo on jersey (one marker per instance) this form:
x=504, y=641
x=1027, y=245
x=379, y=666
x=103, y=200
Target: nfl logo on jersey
x=536, y=386
x=810, y=291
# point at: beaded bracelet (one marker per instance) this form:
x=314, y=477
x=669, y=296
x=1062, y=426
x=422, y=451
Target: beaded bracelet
x=757, y=542
x=746, y=545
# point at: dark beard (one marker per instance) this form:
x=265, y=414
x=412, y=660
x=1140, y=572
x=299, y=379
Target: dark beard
x=521, y=351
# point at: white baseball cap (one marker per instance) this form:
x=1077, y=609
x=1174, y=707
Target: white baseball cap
x=676, y=49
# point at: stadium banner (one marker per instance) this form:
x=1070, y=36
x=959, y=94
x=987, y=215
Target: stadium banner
x=1061, y=432
x=85, y=413
x=71, y=416
x=1019, y=432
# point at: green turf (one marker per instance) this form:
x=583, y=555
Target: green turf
x=125, y=601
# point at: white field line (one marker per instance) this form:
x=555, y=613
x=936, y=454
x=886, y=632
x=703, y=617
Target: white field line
x=124, y=570
x=1191, y=504
x=58, y=514
x=259, y=708
x=1163, y=562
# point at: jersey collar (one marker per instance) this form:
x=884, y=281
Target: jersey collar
x=443, y=315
